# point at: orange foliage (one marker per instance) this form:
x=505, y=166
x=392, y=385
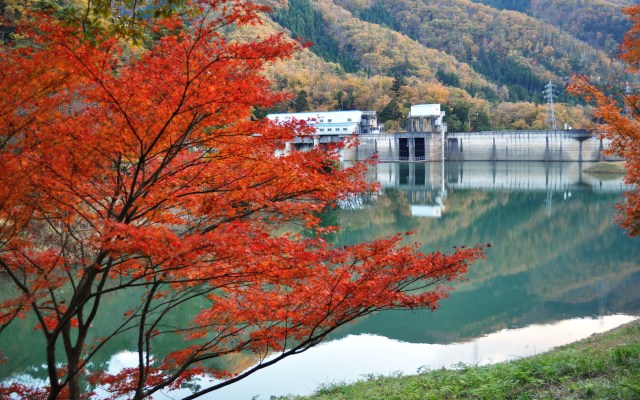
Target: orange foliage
x=123, y=172
x=620, y=116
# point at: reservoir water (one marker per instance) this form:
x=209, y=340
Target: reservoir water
x=559, y=269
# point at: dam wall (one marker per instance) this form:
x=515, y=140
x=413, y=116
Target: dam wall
x=569, y=145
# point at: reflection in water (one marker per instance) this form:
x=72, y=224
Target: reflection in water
x=556, y=252
x=508, y=176
x=428, y=182
x=557, y=270
x=556, y=255
x=355, y=357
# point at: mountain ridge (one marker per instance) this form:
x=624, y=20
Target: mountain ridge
x=469, y=56
x=486, y=61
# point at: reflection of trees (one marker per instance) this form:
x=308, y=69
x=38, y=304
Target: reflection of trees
x=24, y=355
x=357, y=201
x=389, y=214
x=399, y=207
x=571, y=263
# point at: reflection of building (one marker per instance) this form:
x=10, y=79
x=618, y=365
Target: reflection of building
x=422, y=183
x=427, y=185
x=485, y=175
x=428, y=211
x=335, y=123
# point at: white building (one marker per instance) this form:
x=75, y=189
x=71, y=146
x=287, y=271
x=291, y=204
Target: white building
x=334, y=123
x=426, y=118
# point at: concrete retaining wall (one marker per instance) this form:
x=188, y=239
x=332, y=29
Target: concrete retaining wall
x=485, y=146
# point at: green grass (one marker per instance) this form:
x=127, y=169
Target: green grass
x=605, y=366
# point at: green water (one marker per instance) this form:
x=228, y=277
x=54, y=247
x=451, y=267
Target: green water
x=556, y=254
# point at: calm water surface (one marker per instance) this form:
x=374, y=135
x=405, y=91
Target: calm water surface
x=559, y=270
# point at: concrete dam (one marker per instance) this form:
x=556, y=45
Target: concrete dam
x=560, y=145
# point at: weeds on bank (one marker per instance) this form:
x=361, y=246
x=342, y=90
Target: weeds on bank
x=605, y=366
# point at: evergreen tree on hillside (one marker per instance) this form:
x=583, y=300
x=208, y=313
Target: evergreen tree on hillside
x=379, y=14
x=522, y=82
x=390, y=112
x=306, y=22
x=514, y=5
x=481, y=121
x=398, y=82
x=448, y=78
x=300, y=103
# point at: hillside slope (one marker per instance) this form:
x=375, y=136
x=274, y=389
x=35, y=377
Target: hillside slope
x=599, y=23
x=509, y=48
x=486, y=61
x=387, y=54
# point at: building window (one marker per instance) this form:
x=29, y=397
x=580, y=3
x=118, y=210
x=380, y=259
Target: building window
x=321, y=121
x=321, y=129
x=327, y=120
x=329, y=129
x=348, y=119
x=344, y=129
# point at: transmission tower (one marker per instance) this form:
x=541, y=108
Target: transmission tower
x=551, y=114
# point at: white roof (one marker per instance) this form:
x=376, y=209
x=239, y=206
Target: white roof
x=336, y=117
x=425, y=110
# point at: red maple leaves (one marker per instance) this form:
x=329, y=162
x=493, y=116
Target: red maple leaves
x=619, y=117
x=142, y=173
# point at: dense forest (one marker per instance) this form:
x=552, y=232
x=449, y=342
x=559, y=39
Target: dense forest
x=486, y=61
x=599, y=23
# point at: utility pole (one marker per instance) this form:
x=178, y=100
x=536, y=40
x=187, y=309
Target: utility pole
x=548, y=94
x=443, y=189
x=627, y=98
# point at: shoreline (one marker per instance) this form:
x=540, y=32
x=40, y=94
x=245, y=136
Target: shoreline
x=605, y=364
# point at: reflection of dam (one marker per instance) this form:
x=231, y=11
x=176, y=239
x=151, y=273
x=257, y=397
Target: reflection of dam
x=512, y=176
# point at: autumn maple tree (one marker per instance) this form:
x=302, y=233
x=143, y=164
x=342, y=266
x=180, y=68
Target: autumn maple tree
x=618, y=111
x=134, y=169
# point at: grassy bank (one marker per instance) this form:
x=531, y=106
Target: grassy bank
x=604, y=366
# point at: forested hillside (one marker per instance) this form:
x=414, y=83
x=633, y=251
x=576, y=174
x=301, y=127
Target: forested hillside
x=486, y=61
x=599, y=23
x=529, y=52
